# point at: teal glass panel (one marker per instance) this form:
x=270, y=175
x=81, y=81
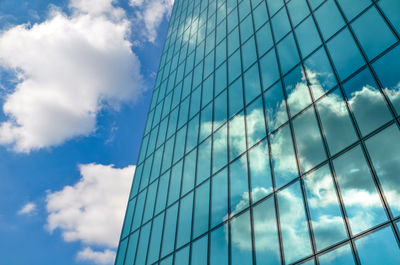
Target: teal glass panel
x=185, y=220
x=269, y=69
x=175, y=183
x=260, y=172
x=275, y=107
x=219, y=246
x=239, y=189
x=119, y=260
x=237, y=136
x=169, y=230
x=155, y=239
x=162, y=192
x=329, y=19
x=219, y=197
x=199, y=251
x=255, y=122
x=341, y=255
x=204, y=161
x=384, y=150
x=182, y=256
x=294, y=229
x=358, y=191
x=326, y=218
x=266, y=233
x=241, y=247
x=220, y=148
x=379, y=246
x=131, y=250
x=201, y=209
x=143, y=244
x=189, y=172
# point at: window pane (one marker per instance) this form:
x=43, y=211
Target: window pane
x=354, y=7
x=239, y=190
x=201, y=209
x=128, y=218
x=336, y=122
x=189, y=172
x=294, y=229
x=388, y=70
x=220, y=109
x=155, y=241
x=151, y=197
x=342, y=255
x=384, y=149
x=329, y=19
x=366, y=102
x=373, y=33
x=137, y=219
x=204, y=161
x=345, y=54
x=275, y=107
x=252, y=85
x=298, y=10
x=298, y=96
x=269, y=69
x=192, y=133
x=219, y=197
x=175, y=183
x=235, y=97
x=280, y=24
x=199, y=251
x=162, y=192
x=206, y=122
x=308, y=140
x=390, y=8
x=131, y=250
x=326, y=218
x=241, y=240
x=234, y=66
x=266, y=233
x=255, y=122
x=363, y=205
x=274, y=5
x=169, y=230
x=143, y=244
x=219, y=246
x=307, y=36
x=288, y=55
x=237, y=136
x=371, y=251
x=121, y=252
x=260, y=172
x=182, y=256
x=264, y=38
x=220, y=148
x=260, y=14
x=185, y=220
x=283, y=159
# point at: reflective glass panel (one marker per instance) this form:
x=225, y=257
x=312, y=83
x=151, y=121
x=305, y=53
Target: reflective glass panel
x=237, y=136
x=294, y=229
x=288, y=55
x=379, y=246
x=390, y=8
x=220, y=148
x=308, y=140
x=155, y=241
x=169, y=230
x=185, y=220
x=323, y=204
x=241, y=247
x=384, y=149
x=354, y=7
x=283, y=158
x=182, y=256
x=336, y=122
x=260, y=172
x=275, y=107
x=388, y=71
x=342, y=255
x=255, y=122
x=199, y=251
x=143, y=244
x=204, y=161
x=363, y=205
x=201, y=209
x=269, y=69
x=219, y=197
x=131, y=250
x=298, y=96
x=366, y=102
x=175, y=183
x=373, y=33
x=329, y=19
x=298, y=10
x=280, y=24
x=266, y=233
x=307, y=36
x=239, y=189
x=219, y=246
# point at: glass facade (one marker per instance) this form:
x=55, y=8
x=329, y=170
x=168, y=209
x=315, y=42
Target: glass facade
x=272, y=137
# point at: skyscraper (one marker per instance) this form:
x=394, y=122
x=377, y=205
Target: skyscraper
x=272, y=137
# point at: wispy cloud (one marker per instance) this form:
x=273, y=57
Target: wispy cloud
x=27, y=209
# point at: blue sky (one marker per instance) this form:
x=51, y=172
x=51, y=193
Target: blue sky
x=75, y=84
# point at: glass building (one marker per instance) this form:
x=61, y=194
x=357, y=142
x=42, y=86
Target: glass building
x=272, y=137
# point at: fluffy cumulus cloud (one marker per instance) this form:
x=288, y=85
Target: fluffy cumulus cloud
x=99, y=257
x=92, y=210
x=69, y=67
x=29, y=208
x=148, y=16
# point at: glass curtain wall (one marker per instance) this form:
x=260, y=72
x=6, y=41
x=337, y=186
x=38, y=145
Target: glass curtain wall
x=272, y=137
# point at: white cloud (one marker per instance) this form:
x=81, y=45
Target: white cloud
x=99, y=257
x=150, y=14
x=92, y=210
x=28, y=208
x=69, y=68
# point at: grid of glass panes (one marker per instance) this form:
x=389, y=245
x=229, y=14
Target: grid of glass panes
x=272, y=137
